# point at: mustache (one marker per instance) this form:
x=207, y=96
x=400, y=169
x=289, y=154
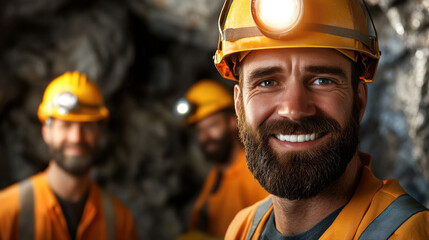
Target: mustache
x=307, y=125
x=83, y=145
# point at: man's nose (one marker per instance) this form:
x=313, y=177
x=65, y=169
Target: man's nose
x=295, y=101
x=75, y=133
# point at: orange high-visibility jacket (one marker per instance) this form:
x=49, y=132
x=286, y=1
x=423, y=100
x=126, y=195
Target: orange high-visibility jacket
x=49, y=221
x=238, y=189
x=372, y=196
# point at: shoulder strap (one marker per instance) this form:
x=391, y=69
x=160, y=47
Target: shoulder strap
x=385, y=224
x=109, y=214
x=260, y=212
x=26, y=212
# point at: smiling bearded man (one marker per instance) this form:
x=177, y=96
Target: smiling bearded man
x=302, y=68
x=300, y=174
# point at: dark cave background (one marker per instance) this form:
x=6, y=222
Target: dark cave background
x=144, y=54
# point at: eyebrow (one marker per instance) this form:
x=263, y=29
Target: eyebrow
x=264, y=71
x=327, y=70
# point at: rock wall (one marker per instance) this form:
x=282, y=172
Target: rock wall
x=144, y=54
x=395, y=129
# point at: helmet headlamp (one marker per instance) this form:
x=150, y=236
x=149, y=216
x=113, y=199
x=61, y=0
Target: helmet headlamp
x=275, y=18
x=65, y=102
x=72, y=97
x=184, y=108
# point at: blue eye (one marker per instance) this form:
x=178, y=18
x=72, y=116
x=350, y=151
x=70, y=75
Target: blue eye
x=322, y=81
x=268, y=83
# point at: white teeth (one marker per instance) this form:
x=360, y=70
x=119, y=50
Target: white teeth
x=296, y=138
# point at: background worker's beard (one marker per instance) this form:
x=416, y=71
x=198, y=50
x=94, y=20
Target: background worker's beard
x=299, y=174
x=223, y=148
x=75, y=165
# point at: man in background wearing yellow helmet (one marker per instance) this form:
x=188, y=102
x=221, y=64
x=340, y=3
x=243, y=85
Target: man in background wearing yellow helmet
x=63, y=202
x=302, y=67
x=229, y=186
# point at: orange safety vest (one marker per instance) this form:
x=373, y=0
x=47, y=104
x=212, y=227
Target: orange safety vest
x=49, y=221
x=238, y=189
x=362, y=215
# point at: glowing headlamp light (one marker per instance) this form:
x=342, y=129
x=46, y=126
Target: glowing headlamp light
x=184, y=108
x=275, y=18
x=66, y=102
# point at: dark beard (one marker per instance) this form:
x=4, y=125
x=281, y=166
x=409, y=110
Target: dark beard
x=223, y=148
x=77, y=165
x=299, y=174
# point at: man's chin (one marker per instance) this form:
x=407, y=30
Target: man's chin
x=76, y=165
x=217, y=158
x=284, y=156
x=211, y=150
x=77, y=171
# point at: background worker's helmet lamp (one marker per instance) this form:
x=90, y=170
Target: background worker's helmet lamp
x=202, y=99
x=66, y=102
x=184, y=108
x=275, y=18
x=72, y=97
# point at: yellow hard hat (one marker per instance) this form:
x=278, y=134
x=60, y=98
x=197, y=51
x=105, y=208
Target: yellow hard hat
x=344, y=25
x=72, y=97
x=204, y=98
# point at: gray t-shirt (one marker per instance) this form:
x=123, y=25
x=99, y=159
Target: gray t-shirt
x=270, y=232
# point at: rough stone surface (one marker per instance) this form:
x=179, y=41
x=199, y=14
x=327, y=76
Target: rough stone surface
x=190, y=21
x=399, y=108
x=144, y=54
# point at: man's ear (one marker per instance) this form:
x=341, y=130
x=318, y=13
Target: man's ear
x=362, y=97
x=237, y=93
x=46, y=133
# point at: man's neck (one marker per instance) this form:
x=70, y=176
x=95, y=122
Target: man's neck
x=65, y=185
x=297, y=216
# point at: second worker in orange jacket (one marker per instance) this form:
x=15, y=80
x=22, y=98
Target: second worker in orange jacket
x=63, y=203
x=229, y=186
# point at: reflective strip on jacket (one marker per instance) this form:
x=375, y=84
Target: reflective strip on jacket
x=371, y=197
x=50, y=223
x=238, y=189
